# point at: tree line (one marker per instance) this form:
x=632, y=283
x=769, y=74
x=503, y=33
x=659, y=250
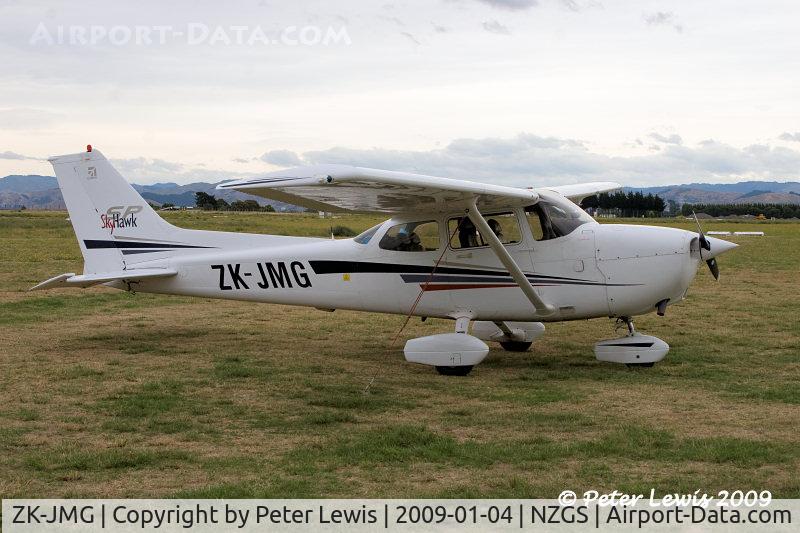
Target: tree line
x=209, y=202
x=723, y=210
x=626, y=204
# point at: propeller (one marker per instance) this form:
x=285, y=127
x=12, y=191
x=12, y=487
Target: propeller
x=706, y=245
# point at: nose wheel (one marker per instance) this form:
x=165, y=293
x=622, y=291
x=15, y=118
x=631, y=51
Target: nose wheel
x=634, y=349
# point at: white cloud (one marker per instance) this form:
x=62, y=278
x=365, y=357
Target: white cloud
x=604, y=77
x=786, y=136
x=523, y=160
x=26, y=118
x=410, y=37
x=663, y=18
x=667, y=139
x=281, y=158
x=528, y=159
x=511, y=5
x=19, y=157
x=492, y=26
x=145, y=170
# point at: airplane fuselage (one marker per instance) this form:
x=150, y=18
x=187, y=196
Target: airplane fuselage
x=595, y=271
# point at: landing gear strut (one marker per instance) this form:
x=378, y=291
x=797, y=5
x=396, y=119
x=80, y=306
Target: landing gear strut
x=628, y=321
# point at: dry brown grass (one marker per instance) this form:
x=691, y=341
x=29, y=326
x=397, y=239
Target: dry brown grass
x=107, y=394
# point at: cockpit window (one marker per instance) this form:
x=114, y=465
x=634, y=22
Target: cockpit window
x=412, y=237
x=554, y=217
x=364, y=238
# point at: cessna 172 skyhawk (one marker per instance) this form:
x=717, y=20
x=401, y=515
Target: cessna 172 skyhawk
x=507, y=259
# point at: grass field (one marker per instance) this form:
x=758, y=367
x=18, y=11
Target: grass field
x=108, y=394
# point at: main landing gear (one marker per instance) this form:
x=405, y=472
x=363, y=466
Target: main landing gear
x=453, y=354
x=516, y=346
x=512, y=336
x=634, y=349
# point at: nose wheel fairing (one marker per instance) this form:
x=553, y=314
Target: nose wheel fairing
x=634, y=349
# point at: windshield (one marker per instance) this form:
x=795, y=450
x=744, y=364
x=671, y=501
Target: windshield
x=364, y=238
x=554, y=216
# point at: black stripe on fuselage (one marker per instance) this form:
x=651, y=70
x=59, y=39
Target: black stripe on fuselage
x=422, y=273
x=341, y=267
x=92, y=244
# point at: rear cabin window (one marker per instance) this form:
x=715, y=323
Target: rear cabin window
x=466, y=235
x=412, y=237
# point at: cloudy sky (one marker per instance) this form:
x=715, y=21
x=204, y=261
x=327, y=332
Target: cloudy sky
x=520, y=92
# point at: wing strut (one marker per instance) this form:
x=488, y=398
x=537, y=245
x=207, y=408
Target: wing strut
x=502, y=254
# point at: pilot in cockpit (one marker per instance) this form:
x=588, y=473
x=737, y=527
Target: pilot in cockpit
x=496, y=228
x=467, y=234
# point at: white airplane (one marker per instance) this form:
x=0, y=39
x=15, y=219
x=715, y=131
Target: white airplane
x=506, y=259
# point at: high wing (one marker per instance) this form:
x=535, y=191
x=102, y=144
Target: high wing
x=579, y=191
x=347, y=188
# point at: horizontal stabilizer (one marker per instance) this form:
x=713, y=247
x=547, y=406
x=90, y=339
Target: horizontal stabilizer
x=87, y=280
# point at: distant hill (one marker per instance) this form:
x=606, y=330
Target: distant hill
x=767, y=192
x=742, y=187
x=21, y=184
x=42, y=192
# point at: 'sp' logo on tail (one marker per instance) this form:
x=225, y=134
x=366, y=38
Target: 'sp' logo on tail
x=120, y=216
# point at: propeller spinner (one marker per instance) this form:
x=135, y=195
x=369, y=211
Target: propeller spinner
x=706, y=251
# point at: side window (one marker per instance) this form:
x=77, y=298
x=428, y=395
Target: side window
x=535, y=223
x=504, y=225
x=412, y=237
x=541, y=229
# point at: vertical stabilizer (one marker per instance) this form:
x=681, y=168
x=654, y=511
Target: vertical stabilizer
x=111, y=219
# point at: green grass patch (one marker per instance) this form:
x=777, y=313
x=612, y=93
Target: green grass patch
x=27, y=415
x=65, y=458
x=234, y=367
x=768, y=392
x=354, y=397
